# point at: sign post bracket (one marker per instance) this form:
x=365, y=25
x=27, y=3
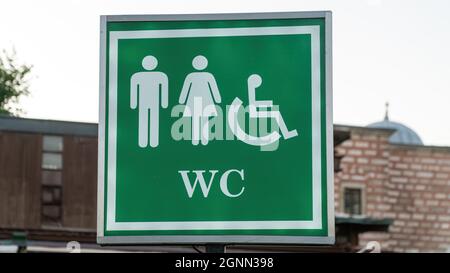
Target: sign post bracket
x=215, y=248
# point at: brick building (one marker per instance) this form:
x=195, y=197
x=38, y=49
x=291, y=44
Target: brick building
x=389, y=187
x=387, y=172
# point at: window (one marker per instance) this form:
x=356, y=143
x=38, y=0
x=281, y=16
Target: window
x=353, y=200
x=51, y=178
x=52, y=144
x=51, y=161
x=52, y=166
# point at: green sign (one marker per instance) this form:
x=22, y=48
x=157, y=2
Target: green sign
x=216, y=129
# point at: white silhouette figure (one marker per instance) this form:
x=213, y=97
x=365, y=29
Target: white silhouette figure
x=148, y=87
x=233, y=122
x=254, y=81
x=200, y=93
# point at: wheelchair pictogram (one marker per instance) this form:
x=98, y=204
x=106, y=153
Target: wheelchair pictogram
x=257, y=109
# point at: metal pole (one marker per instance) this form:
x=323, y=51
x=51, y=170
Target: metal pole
x=214, y=248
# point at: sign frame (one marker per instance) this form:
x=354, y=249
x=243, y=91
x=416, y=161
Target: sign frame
x=216, y=239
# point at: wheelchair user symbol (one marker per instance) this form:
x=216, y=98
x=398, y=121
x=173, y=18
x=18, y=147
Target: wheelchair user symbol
x=254, y=81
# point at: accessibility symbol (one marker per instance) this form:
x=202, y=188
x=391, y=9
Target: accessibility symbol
x=201, y=98
x=254, y=81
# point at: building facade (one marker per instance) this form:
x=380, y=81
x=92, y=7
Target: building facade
x=389, y=187
x=384, y=175
x=48, y=175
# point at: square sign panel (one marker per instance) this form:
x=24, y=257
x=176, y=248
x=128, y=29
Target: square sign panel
x=216, y=129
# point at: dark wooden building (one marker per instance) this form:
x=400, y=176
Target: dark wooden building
x=48, y=174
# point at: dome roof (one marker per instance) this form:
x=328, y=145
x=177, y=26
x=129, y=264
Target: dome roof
x=403, y=134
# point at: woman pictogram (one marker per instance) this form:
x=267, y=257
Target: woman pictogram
x=200, y=94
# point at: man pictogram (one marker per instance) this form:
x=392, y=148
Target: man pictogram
x=148, y=89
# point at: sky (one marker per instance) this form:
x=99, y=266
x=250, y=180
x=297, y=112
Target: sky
x=395, y=51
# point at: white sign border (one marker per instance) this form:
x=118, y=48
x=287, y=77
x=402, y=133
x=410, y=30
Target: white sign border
x=115, y=36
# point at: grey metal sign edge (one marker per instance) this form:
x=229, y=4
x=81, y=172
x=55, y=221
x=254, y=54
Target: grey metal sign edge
x=205, y=239
x=179, y=239
x=217, y=16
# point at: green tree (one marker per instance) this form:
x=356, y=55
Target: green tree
x=13, y=83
